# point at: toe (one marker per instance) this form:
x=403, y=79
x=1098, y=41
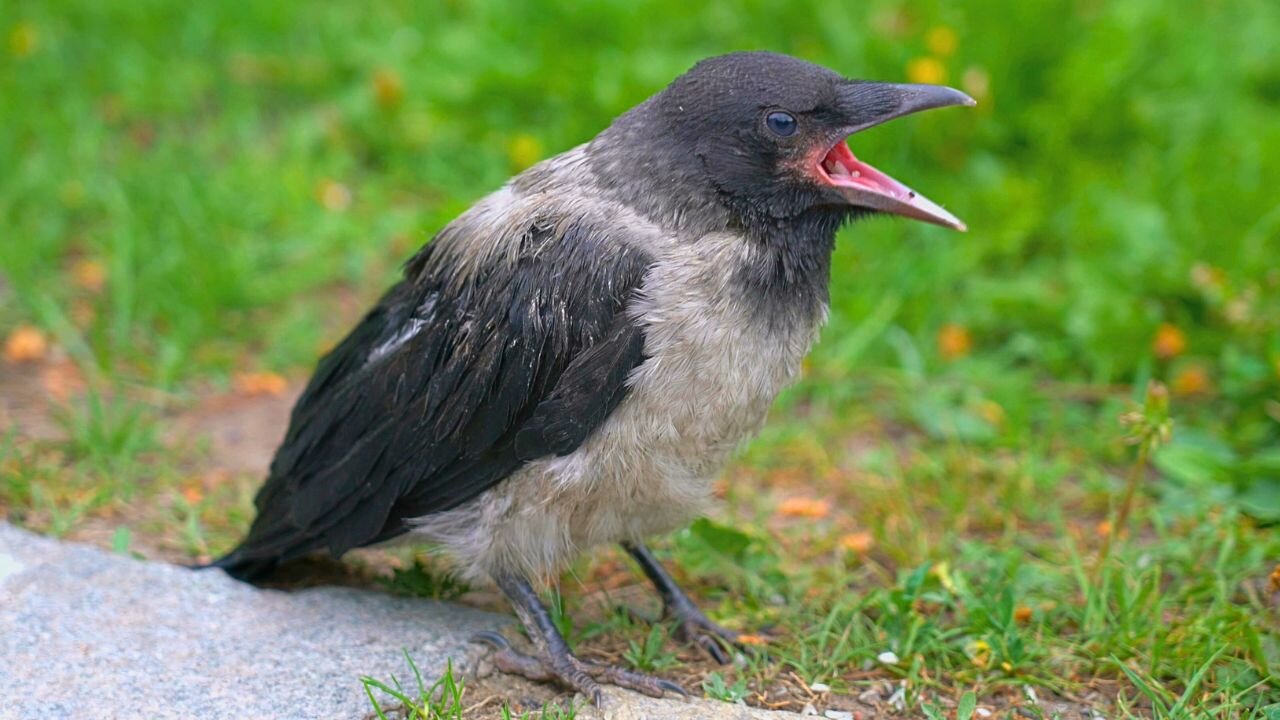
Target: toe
x=585, y=684
x=672, y=687
x=714, y=648
x=491, y=638
x=632, y=680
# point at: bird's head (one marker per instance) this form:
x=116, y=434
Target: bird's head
x=769, y=131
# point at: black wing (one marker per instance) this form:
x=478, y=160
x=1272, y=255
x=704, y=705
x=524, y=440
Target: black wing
x=446, y=387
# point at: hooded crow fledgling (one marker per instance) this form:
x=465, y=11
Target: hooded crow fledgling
x=572, y=360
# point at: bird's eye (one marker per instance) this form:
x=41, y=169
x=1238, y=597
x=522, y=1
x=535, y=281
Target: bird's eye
x=781, y=124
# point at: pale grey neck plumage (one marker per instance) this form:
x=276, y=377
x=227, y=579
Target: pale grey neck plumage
x=641, y=162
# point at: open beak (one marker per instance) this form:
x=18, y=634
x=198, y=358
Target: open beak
x=869, y=104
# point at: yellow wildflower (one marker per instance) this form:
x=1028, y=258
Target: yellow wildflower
x=992, y=412
x=941, y=40
x=1169, y=341
x=25, y=344
x=260, y=383
x=89, y=274
x=804, y=507
x=859, y=543
x=1191, y=380
x=954, y=341
x=979, y=653
x=928, y=70
x=524, y=150
x=388, y=89
x=333, y=195
x=977, y=82
x=24, y=40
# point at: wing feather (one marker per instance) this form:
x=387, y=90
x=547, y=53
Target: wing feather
x=456, y=378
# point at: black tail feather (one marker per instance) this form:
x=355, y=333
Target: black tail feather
x=241, y=568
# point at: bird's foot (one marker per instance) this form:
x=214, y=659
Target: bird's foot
x=584, y=676
x=695, y=628
x=692, y=626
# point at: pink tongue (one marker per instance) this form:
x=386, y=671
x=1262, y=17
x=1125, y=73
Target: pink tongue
x=873, y=189
x=863, y=174
x=876, y=180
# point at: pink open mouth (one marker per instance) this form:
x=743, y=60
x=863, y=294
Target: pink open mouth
x=865, y=186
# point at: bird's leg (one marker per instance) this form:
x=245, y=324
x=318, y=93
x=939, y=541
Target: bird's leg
x=557, y=663
x=693, y=625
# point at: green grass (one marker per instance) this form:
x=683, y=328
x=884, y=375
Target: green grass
x=441, y=700
x=444, y=699
x=191, y=192
x=550, y=711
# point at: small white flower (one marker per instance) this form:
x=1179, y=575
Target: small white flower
x=898, y=700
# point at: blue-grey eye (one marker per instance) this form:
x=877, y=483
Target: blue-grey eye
x=781, y=123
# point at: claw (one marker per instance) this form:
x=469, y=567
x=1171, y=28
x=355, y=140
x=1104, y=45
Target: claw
x=491, y=638
x=672, y=687
x=714, y=649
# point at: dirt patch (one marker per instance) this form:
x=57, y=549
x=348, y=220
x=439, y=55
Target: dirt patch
x=27, y=408
x=177, y=503
x=242, y=432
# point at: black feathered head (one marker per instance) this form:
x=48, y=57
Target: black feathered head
x=767, y=133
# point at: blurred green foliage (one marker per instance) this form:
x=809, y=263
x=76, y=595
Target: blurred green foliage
x=190, y=190
x=230, y=165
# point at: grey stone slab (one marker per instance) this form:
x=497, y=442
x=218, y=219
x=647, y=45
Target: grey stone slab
x=87, y=633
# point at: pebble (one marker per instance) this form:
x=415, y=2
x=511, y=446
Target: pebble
x=888, y=657
x=870, y=696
